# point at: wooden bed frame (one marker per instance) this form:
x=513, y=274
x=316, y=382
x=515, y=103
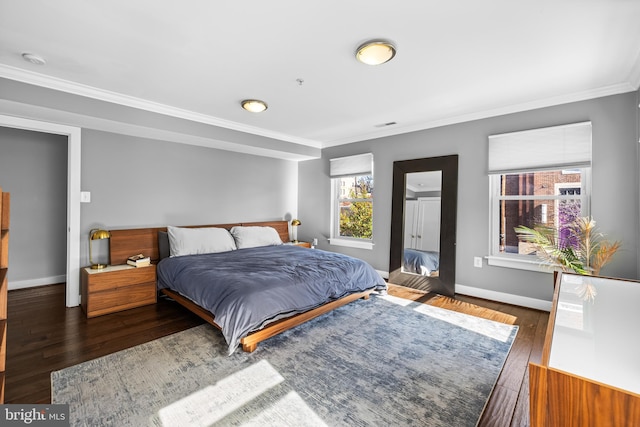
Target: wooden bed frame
x=127, y=242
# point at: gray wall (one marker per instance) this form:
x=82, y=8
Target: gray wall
x=614, y=204
x=33, y=168
x=142, y=172
x=134, y=182
x=138, y=182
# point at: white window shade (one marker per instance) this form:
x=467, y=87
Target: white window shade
x=557, y=147
x=361, y=164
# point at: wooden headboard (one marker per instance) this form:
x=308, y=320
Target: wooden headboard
x=132, y=241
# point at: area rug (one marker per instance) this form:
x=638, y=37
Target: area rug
x=382, y=361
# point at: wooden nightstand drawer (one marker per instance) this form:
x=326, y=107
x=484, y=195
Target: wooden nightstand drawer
x=121, y=299
x=117, y=288
x=117, y=279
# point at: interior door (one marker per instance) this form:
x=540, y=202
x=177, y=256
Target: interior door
x=411, y=218
x=428, y=230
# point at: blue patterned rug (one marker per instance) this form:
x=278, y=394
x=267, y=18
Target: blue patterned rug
x=377, y=362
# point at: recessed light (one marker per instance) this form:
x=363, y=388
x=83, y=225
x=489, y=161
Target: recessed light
x=33, y=58
x=375, y=52
x=254, y=105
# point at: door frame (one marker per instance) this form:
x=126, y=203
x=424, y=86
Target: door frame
x=73, y=135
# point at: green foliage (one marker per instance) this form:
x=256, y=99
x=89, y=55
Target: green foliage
x=357, y=221
x=582, y=250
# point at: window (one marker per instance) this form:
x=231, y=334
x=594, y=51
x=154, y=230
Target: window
x=538, y=178
x=352, y=201
x=543, y=198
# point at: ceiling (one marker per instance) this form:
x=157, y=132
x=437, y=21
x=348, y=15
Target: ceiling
x=424, y=181
x=456, y=61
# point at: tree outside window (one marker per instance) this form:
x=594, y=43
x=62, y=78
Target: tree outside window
x=355, y=197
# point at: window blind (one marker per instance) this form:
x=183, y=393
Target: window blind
x=557, y=147
x=360, y=164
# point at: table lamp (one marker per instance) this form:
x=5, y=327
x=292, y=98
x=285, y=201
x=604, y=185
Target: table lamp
x=294, y=224
x=97, y=234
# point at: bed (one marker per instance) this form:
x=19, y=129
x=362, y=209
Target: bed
x=258, y=289
x=425, y=263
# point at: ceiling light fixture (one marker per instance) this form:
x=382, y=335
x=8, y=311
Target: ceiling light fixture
x=375, y=52
x=254, y=105
x=33, y=58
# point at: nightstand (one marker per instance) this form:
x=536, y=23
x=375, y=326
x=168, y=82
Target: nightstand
x=116, y=288
x=302, y=244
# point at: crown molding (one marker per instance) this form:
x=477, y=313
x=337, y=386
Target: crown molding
x=65, y=120
x=634, y=76
x=616, y=89
x=37, y=79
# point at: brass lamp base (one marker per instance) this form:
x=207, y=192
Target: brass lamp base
x=98, y=266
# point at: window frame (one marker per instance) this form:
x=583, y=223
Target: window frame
x=521, y=261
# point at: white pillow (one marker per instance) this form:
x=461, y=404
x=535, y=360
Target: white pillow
x=254, y=236
x=192, y=241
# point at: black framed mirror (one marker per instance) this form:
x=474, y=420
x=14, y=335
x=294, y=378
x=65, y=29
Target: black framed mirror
x=418, y=258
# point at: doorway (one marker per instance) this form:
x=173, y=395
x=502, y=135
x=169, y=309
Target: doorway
x=73, y=195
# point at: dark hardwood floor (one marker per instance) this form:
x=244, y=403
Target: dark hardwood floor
x=43, y=336
x=509, y=402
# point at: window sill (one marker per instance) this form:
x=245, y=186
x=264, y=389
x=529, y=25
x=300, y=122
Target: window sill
x=520, y=264
x=365, y=244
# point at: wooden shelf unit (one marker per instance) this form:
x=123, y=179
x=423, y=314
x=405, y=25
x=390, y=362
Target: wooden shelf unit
x=4, y=266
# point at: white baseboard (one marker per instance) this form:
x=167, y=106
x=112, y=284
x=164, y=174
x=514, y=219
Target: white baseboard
x=460, y=289
x=537, y=304
x=32, y=283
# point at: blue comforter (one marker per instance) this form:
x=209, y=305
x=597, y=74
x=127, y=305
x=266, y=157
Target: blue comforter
x=421, y=262
x=247, y=288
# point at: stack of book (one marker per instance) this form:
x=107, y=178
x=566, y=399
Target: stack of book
x=139, y=260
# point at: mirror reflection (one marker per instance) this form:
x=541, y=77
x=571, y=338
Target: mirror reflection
x=421, y=242
x=437, y=237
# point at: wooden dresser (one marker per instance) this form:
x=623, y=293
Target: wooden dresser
x=590, y=369
x=4, y=266
x=116, y=288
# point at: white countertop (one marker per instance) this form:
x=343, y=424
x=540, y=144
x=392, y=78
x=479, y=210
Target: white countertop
x=597, y=337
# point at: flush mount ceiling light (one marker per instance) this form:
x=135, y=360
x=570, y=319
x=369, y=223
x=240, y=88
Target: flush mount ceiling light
x=254, y=105
x=375, y=52
x=33, y=58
